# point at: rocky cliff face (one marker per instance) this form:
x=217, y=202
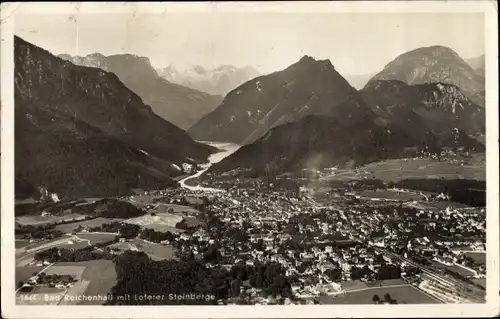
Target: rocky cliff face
x=177, y=104
x=435, y=64
x=417, y=109
x=81, y=132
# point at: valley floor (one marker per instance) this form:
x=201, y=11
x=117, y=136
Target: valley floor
x=327, y=243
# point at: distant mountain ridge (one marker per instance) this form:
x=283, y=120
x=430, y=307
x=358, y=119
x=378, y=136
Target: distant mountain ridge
x=435, y=64
x=478, y=64
x=81, y=132
x=177, y=104
x=308, y=87
x=216, y=81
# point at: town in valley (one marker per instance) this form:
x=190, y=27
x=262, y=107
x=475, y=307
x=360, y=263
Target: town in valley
x=246, y=169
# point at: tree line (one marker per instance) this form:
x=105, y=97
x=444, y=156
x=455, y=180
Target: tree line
x=137, y=274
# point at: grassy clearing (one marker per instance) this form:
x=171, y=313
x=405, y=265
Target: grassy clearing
x=479, y=257
x=39, y=220
x=96, y=238
x=68, y=228
x=180, y=208
x=156, y=222
x=403, y=295
x=46, y=244
x=101, y=276
x=73, y=244
x=459, y=270
x=21, y=243
x=25, y=273
x=73, y=270
x=395, y=170
x=404, y=196
x=155, y=251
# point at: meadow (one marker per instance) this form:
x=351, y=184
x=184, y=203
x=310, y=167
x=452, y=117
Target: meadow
x=100, y=275
x=70, y=227
x=402, y=294
x=39, y=220
x=96, y=238
x=392, y=195
x=398, y=169
x=159, y=222
x=479, y=257
x=155, y=251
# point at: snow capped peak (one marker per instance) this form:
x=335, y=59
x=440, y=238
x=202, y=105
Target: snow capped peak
x=199, y=69
x=218, y=80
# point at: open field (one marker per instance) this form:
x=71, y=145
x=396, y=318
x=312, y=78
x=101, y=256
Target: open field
x=21, y=243
x=73, y=270
x=479, y=257
x=353, y=285
x=193, y=221
x=25, y=255
x=95, y=238
x=402, y=294
x=392, y=195
x=460, y=270
x=180, y=208
x=25, y=273
x=387, y=283
x=398, y=169
x=160, y=222
x=123, y=246
x=155, y=251
x=45, y=244
x=95, y=278
x=68, y=228
x=101, y=276
x=141, y=200
x=39, y=220
x=73, y=244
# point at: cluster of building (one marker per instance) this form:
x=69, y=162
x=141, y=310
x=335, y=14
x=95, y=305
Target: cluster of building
x=324, y=247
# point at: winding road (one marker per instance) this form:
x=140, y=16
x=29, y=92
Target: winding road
x=226, y=149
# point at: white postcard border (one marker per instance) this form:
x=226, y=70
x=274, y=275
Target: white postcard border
x=10, y=310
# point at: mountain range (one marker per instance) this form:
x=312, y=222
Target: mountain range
x=81, y=132
x=435, y=64
x=84, y=130
x=216, y=81
x=178, y=104
x=309, y=116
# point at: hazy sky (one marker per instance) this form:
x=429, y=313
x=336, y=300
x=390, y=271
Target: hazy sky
x=356, y=43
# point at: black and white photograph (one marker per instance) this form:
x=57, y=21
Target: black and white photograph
x=275, y=155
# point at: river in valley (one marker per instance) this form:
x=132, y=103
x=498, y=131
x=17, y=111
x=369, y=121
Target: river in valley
x=225, y=148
